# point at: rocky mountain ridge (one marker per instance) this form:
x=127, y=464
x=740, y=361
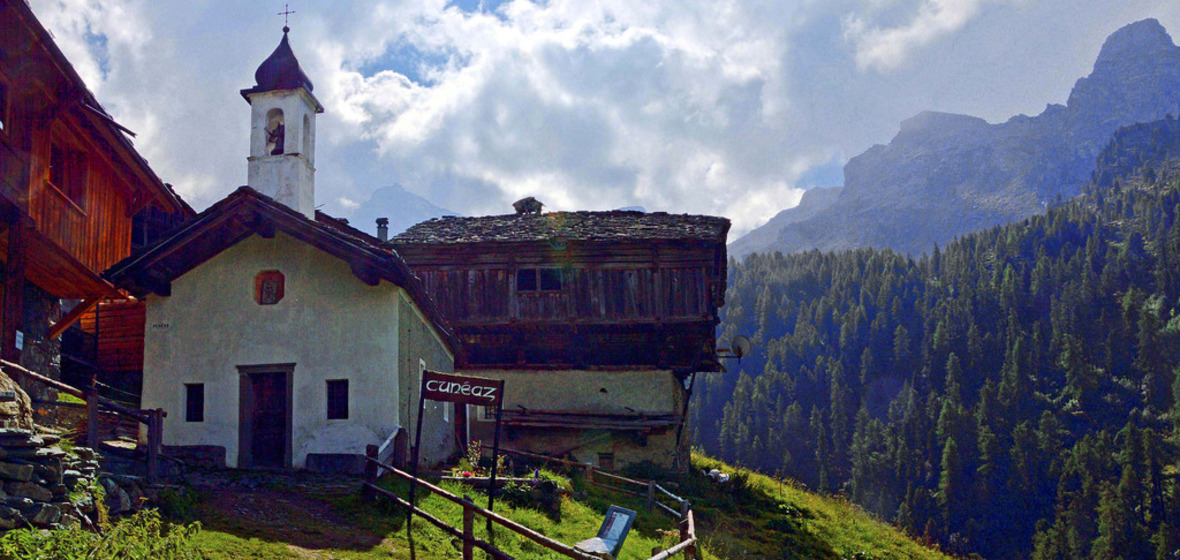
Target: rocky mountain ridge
x=944, y=175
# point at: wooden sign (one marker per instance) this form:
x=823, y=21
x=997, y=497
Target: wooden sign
x=462, y=388
x=465, y=389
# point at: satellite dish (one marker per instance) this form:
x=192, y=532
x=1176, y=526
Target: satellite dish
x=740, y=346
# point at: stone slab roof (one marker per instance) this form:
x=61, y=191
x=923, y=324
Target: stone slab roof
x=614, y=225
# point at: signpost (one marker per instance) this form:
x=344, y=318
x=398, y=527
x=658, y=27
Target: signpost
x=459, y=389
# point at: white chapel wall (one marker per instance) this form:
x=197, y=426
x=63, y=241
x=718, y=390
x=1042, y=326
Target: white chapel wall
x=420, y=345
x=329, y=324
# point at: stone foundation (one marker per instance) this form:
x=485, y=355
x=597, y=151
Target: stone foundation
x=336, y=463
x=207, y=456
x=39, y=354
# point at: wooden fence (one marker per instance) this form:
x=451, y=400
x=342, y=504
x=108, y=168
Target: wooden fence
x=95, y=404
x=683, y=512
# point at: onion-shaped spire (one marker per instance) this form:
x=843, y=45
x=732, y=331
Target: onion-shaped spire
x=280, y=70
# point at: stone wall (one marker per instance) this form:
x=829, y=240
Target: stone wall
x=45, y=486
x=40, y=354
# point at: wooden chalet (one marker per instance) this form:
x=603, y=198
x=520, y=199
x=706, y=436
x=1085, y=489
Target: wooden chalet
x=71, y=188
x=596, y=320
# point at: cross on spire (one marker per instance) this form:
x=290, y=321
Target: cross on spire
x=287, y=11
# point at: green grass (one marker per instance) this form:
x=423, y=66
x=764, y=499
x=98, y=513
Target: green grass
x=751, y=517
x=777, y=516
x=68, y=398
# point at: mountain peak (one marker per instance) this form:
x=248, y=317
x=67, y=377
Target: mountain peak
x=1137, y=71
x=1140, y=40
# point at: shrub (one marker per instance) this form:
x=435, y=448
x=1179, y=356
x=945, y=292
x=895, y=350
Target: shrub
x=143, y=535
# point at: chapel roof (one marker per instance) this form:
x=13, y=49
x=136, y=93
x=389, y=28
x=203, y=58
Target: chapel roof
x=246, y=212
x=280, y=70
x=613, y=225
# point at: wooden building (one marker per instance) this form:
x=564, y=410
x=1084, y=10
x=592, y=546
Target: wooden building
x=596, y=320
x=71, y=186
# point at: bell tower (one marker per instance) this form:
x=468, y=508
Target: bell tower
x=282, y=131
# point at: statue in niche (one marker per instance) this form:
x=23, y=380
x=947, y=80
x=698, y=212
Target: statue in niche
x=276, y=137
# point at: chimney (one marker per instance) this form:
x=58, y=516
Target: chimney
x=383, y=229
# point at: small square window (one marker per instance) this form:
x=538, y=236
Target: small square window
x=337, y=399
x=194, y=402
x=489, y=413
x=606, y=461
x=550, y=278
x=526, y=280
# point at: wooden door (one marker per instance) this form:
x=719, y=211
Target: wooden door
x=268, y=442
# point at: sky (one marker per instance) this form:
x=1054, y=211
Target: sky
x=722, y=107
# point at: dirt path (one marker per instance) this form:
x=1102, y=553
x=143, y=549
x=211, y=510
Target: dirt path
x=305, y=511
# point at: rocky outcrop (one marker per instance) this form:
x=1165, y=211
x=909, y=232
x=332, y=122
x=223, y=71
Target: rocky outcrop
x=946, y=175
x=43, y=485
x=16, y=408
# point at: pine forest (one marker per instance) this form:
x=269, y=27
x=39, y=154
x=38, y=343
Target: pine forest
x=1011, y=395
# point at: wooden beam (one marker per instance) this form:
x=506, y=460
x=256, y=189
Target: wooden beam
x=72, y=317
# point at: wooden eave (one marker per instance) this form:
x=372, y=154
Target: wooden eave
x=57, y=272
x=246, y=212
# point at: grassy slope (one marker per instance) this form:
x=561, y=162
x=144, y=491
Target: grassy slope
x=755, y=517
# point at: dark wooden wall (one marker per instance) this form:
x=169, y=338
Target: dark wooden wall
x=96, y=232
x=640, y=282
x=119, y=327
x=622, y=304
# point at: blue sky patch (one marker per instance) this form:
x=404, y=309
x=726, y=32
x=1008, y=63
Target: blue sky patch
x=409, y=61
x=830, y=174
x=97, y=45
x=469, y=6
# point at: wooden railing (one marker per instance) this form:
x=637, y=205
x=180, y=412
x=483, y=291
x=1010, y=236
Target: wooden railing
x=683, y=512
x=154, y=419
x=469, y=511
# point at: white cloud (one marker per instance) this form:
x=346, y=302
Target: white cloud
x=886, y=48
x=703, y=106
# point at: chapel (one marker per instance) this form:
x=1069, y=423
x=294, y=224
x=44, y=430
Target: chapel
x=277, y=336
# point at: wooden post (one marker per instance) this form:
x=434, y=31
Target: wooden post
x=14, y=286
x=651, y=494
x=370, y=469
x=590, y=473
x=155, y=439
x=684, y=507
x=688, y=531
x=92, y=416
x=468, y=529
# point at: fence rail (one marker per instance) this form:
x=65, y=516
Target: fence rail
x=154, y=419
x=683, y=513
x=469, y=509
